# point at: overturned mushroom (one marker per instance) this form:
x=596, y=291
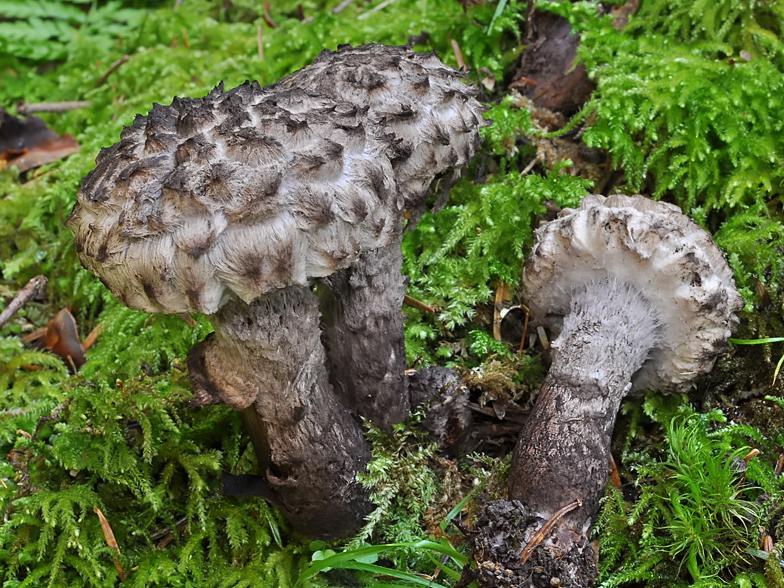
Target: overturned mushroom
x=641, y=298
x=231, y=204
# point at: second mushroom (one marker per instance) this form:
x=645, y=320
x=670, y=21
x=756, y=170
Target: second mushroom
x=640, y=299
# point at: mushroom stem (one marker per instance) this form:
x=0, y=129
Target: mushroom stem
x=564, y=448
x=266, y=360
x=362, y=318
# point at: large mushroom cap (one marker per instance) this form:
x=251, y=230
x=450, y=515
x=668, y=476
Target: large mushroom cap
x=257, y=189
x=655, y=249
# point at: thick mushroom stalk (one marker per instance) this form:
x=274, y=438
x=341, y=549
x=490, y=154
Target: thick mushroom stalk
x=312, y=447
x=234, y=204
x=640, y=298
x=564, y=449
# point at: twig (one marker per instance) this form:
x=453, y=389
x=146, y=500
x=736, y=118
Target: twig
x=414, y=303
x=461, y=64
x=539, y=536
x=525, y=327
x=185, y=42
x=301, y=15
x=502, y=295
x=114, y=67
x=341, y=7
x=268, y=17
x=260, y=41
x=530, y=165
x=543, y=337
x=23, y=109
x=30, y=291
x=375, y=9
x=92, y=337
x=40, y=176
x=615, y=476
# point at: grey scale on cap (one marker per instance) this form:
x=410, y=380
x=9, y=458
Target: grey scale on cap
x=252, y=190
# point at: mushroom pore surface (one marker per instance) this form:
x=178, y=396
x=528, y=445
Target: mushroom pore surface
x=654, y=249
x=256, y=189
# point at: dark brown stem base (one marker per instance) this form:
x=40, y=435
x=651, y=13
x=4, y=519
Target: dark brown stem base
x=266, y=360
x=564, y=559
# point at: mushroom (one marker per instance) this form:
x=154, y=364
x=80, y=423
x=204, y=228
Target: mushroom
x=232, y=204
x=640, y=298
x=431, y=122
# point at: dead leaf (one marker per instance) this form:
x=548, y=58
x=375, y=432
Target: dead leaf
x=60, y=336
x=28, y=143
x=111, y=542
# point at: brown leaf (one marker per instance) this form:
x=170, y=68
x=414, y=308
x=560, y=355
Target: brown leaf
x=29, y=143
x=111, y=542
x=60, y=336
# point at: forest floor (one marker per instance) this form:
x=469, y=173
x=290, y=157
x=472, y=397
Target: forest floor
x=109, y=476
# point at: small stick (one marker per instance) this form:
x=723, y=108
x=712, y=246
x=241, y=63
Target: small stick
x=187, y=319
x=301, y=15
x=260, y=41
x=268, y=17
x=185, y=42
x=525, y=327
x=39, y=177
x=501, y=295
x=23, y=109
x=779, y=465
x=114, y=67
x=341, y=7
x=381, y=6
x=90, y=339
x=539, y=536
x=530, y=166
x=543, y=337
x=414, y=303
x=27, y=293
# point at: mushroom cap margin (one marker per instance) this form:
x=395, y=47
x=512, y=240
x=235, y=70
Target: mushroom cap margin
x=655, y=248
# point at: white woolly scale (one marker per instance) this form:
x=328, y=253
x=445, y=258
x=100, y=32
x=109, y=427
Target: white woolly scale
x=256, y=189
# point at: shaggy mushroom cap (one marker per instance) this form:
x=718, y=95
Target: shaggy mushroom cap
x=654, y=249
x=255, y=189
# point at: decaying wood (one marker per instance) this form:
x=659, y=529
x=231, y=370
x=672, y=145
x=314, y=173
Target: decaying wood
x=546, y=66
